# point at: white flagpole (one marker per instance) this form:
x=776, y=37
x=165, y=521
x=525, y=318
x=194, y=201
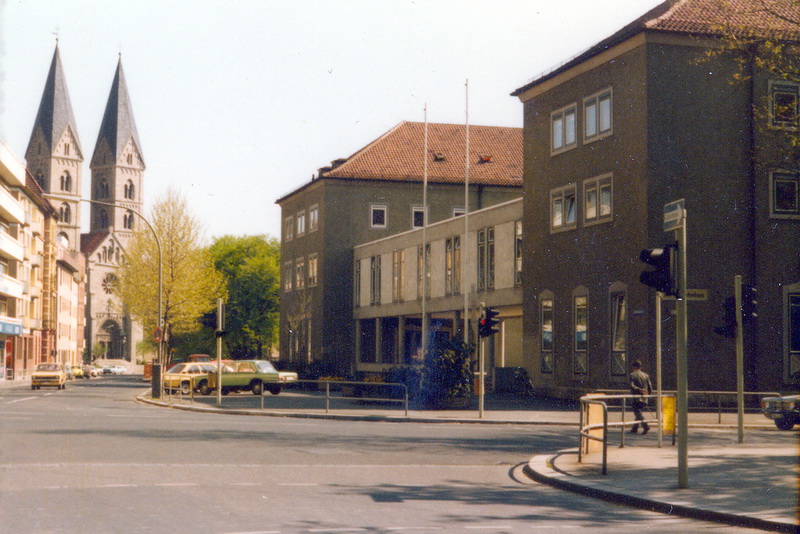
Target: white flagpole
x=464, y=245
x=425, y=237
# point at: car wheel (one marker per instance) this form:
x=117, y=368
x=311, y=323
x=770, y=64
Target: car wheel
x=274, y=389
x=204, y=389
x=785, y=423
x=186, y=389
x=258, y=387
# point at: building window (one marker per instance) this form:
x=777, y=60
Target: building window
x=417, y=217
x=66, y=182
x=485, y=259
x=287, y=277
x=580, y=305
x=66, y=149
x=424, y=271
x=563, y=208
x=518, y=253
x=597, y=116
x=102, y=189
x=375, y=280
x=129, y=191
x=300, y=273
x=398, y=275
x=783, y=102
x=562, y=129
x=288, y=228
x=452, y=275
x=301, y=223
x=458, y=212
x=784, y=195
x=546, y=322
x=598, y=200
x=127, y=220
x=313, y=218
x=377, y=216
x=619, y=334
x=102, y=218
x=793, y=333
x=313, y=262
x=65, y=213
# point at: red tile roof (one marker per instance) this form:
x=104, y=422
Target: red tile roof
x=772, y=19
x=398, y=155
x=92, y=240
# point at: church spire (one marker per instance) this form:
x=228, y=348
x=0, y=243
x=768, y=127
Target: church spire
x=118, y=127
x=54, y=115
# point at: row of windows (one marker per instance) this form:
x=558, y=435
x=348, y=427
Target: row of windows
x=102, y=190
x=485, y=266
x=618, y=321
x=598, y=203
x=295, y=226
x=65, y=216
x=597, y=122
x=301, y=273
x=378, y=215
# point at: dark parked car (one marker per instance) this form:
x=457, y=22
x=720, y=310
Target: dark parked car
x=785, y=411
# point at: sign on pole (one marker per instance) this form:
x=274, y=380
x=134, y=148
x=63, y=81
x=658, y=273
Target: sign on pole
x=674, y=214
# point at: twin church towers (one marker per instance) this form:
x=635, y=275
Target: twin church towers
x=55, y=158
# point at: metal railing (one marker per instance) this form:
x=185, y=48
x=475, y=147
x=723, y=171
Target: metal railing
x=586, y=428
x=175, y=394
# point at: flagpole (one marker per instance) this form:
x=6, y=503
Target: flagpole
x=464, y=246
x=425, y=237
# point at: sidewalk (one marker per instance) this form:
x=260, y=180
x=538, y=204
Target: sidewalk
x=753, y=484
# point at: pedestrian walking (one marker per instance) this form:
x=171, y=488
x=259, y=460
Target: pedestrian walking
x=641, y=386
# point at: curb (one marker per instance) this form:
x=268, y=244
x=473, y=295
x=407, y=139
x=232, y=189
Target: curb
x=565, y=481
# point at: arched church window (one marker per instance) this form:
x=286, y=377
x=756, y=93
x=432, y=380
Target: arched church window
x=66, y=182
x=102, y=188
x=129, y=190
x=63, y=240
x=102, y=218
x=127, y=220
x=65, y=213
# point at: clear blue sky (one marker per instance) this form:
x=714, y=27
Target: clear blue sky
x=238, y=102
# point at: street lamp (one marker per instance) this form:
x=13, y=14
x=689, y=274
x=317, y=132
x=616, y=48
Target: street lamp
x=156, y=378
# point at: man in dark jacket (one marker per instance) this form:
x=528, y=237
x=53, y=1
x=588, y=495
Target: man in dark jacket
x=640, y=385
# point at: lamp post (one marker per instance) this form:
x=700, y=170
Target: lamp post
x=156, y=378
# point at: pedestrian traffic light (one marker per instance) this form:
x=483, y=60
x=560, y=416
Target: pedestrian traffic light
x=728, y=329
x=749, y=303
x=488, y=322
x=665, y=276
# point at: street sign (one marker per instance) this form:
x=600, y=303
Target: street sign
x=673, y=215
x=691, y=294
x=157, y=335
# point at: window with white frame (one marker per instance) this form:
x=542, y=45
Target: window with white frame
x=398, y=275
x=518, y=253
x=300, y=273
x=485, y=259
x=417, y=217
x=377, y=216
x=562, y=129
x=313, y=266
x=313, y=218
x=452, y=274
x=288, y=274
x=597, y=110
x=563, y=208
x=784, y=201
x=598, y=200
x=288, y=228
x=546, y=325
x=301, y=223
x=458, y=211
x=580, y=310
x=619, y=333
x=783, y=104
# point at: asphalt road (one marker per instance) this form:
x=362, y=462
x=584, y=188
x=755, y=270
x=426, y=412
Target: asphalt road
x=90, y=459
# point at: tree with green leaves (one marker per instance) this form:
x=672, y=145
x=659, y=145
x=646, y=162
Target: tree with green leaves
x=250, y=266
x=191, y=284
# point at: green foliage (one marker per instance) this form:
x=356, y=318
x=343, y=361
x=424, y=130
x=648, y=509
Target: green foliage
x=250, y=266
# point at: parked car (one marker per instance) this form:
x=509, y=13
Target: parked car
x=49, y=375
x=252, y=375
x=97, y=371
x=189, y=376
x=77, y=371
x=118, y=369
x=785, y=411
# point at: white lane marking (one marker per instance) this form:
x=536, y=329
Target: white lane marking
x=23, y=399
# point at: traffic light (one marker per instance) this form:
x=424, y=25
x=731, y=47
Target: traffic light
x=749, y=303
x=728, y=329
x=487, y=324
x=665, y=276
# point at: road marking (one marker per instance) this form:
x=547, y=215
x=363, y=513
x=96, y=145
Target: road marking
x=173, y=484
x=118, y=486
x=23, y=399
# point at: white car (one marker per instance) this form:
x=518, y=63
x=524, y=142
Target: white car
x=118, y=370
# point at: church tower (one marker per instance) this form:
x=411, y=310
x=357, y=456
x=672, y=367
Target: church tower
x=117, y=166
x=54, y=154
